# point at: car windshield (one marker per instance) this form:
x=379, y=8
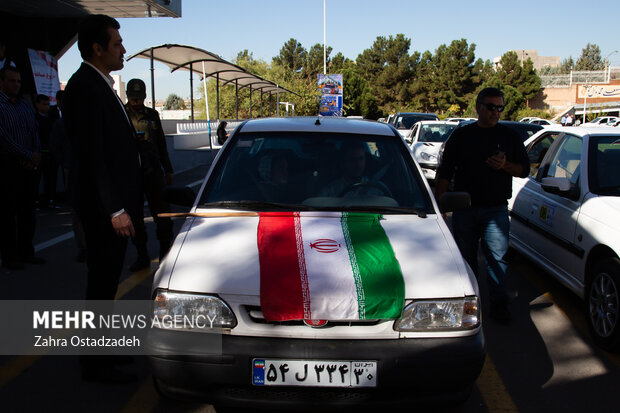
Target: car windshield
x=605, y=165
x=274, y=171
x=435, y=133
x=407, y=121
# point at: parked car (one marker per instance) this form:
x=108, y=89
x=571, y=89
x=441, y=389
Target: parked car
x=461, y=119
x=427, y=139
x=603, y=121
x=404, y=121
x=566, y=218
x=317, y=290
x=542, y=122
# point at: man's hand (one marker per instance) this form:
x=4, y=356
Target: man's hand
x=497, y=162
x=122, y=225
x=169, y=178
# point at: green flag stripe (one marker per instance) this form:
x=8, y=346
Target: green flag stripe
x=379, y=270
x=359, y=287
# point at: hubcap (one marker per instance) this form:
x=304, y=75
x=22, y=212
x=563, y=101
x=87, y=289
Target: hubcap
x=604, y=304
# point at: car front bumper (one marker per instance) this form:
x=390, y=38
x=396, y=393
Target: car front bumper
x=407, y=369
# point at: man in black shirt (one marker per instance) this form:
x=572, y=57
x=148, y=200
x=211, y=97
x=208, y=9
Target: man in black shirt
x=483, y=157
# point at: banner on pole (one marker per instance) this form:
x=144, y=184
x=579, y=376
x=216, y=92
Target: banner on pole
x=331, y=91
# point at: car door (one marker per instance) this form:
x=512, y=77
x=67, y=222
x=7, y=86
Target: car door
x=549, y=222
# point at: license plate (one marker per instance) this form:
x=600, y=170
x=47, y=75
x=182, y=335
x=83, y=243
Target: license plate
x=314, y=373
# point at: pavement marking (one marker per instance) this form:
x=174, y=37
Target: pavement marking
x=493, y=391
x=195, y=183
x=18, y=364
x=134, y=280
x=53, y=241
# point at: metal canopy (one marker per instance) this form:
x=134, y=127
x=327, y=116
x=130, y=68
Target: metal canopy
x=80, y=8
x=182, y=57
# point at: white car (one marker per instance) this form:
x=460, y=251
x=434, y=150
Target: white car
x=565, y=216
x=313, y=289
x=427, y=138
x=603, y=121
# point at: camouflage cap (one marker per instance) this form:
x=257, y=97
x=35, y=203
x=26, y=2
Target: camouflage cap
x=136, y=89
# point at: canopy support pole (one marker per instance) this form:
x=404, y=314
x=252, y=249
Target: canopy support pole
x=217, y=94
x=191, y=91
x=237, y=99
x=204, y=84
x=152, y=81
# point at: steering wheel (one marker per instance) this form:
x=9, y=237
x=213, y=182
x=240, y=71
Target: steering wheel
x=370, y=184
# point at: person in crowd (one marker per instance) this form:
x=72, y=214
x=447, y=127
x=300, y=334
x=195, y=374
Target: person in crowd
x=483, y=157
x=63, y=155
x=221, y=133
x=156, y=171
x=4, y=60
x=49, y=166
x=20, y=156
x=107, y=188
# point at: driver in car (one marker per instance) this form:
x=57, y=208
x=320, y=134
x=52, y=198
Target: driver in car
x=353, y=181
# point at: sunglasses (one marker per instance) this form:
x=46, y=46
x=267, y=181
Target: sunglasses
x=491, y=107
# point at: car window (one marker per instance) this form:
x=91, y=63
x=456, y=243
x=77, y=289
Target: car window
x=604, y=165
x=317, y=171
x=435, y=133
x=566, y=160
x=537, y=150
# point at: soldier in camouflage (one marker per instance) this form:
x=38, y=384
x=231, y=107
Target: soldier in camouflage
x=156, y=171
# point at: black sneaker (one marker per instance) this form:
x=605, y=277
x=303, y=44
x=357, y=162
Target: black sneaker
x=500, y=313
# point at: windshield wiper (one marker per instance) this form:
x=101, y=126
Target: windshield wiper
x=385, y=209
x=257, y=206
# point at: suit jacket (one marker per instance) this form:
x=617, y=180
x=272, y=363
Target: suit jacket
x=106, y=167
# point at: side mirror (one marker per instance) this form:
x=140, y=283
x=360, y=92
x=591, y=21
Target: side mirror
x=453, y=201
x=184, y=196
x=560, y=186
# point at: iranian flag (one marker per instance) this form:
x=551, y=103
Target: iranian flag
x=338, y=266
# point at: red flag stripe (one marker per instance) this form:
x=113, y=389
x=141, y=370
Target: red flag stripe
x=281, y=288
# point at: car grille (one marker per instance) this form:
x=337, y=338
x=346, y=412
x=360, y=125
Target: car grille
x=256, y=315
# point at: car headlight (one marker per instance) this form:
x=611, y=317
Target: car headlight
x=428, y=157
x=186, y=311
x=440, y=315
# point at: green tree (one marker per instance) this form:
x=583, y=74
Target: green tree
x=174, y=102
x=453, y=75
x=523, y=78
x=590, y=58
x=358, y=98
x=292, y=56
x=389, y=70
x=314, y=61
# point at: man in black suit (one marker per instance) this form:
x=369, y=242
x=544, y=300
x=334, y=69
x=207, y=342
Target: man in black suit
x=107, y=191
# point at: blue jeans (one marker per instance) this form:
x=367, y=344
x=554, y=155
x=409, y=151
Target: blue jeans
x=491, y=226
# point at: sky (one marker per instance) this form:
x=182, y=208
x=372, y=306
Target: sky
x=226, y=27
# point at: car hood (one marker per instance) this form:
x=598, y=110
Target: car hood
x=220, y=256
x=431, y=148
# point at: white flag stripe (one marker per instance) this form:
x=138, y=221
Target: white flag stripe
x=332, y=287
